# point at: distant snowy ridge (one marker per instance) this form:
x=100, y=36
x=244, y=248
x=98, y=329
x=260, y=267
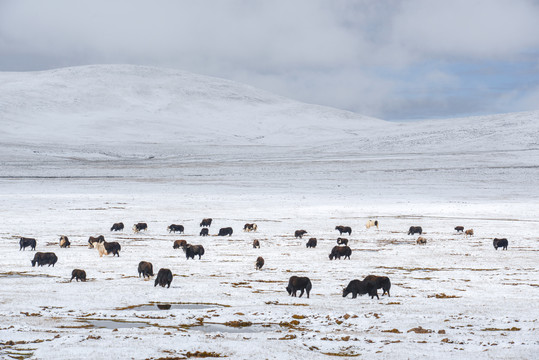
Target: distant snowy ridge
x=145, y=104
x=91, y=108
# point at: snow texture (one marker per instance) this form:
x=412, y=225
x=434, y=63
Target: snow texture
x=82, y=148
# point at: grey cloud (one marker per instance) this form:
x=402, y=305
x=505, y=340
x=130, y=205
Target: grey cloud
x=356, y=55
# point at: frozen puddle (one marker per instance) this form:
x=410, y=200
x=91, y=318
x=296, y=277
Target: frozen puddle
x=206, y=327
x=223, y=328
x=171, y=306
x=13, y=274
x=115, y=324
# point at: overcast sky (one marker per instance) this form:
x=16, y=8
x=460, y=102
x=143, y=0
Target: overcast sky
x=394, y=59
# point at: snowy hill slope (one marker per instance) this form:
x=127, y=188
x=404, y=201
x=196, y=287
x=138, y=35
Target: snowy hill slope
x=135, y=104
x=132, y=103
x=157, y=125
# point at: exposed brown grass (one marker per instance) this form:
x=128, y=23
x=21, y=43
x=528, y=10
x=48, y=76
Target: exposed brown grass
x=443, y=296
x=342, y=354
x=238, y=323
x=497, y=329
x=420, y=330
x=203, y=354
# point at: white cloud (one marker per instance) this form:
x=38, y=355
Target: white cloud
x=467, y=28
x=350, y=54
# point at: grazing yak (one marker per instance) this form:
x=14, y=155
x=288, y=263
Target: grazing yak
x=339, y=251
x=225, y=231
x=342, y=241
x=360, y=287
x=259, y=262
x=503, y=243
x=140, y=226
x=380, y=282
x=206, y=222
x=296, y=283
x=371, y=223
x=92, y=240
x=48, y=258
x=64, y=242
x=175, y=228
x=344, y=229
x=192, y=250
x=256, y=244
x=106, y=248
x=164, y=277
x=179, y=243
x=421, y=241
x=145, y=269
x=469, y=232
x=311, y=243
x=25, y=242
x=78, y=274
x=300, y=233
x=204, y=232
x=415, y=230
x=459, y=228
x=117, y=226
x=250, y=227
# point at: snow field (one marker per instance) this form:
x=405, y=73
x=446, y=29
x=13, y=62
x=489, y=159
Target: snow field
x=474, y=299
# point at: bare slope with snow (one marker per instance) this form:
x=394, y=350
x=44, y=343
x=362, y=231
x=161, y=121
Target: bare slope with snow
x=176, y=131
x=123, y=103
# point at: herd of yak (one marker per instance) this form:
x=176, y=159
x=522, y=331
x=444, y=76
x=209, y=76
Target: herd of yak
x=369, y=285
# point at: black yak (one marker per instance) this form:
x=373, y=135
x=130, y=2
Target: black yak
x=47, y=258
x=296, y=283
x=300, y=233
x=312, y=243
x=192, y=250
x=459, y=228
x=117, y=226
x=342, y=241
x=78, y=274
x=140, y=226
x=381, y=282
x=225, y=231
x=206, y=222
x=339, y=251
x=503, y=243
x=145, y=269
x=256, y=244
x=360, y=287
x=344, y=229
x=204, y=232
x=415, y=230
x=164, y=277
x=175, y=228
x=25, y=242
x=259, y=262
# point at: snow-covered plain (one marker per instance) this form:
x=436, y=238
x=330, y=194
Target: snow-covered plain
x=82, y=148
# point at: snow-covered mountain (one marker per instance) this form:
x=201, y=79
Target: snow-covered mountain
x=136, y=104
x=132, y=121
x=142, y=104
